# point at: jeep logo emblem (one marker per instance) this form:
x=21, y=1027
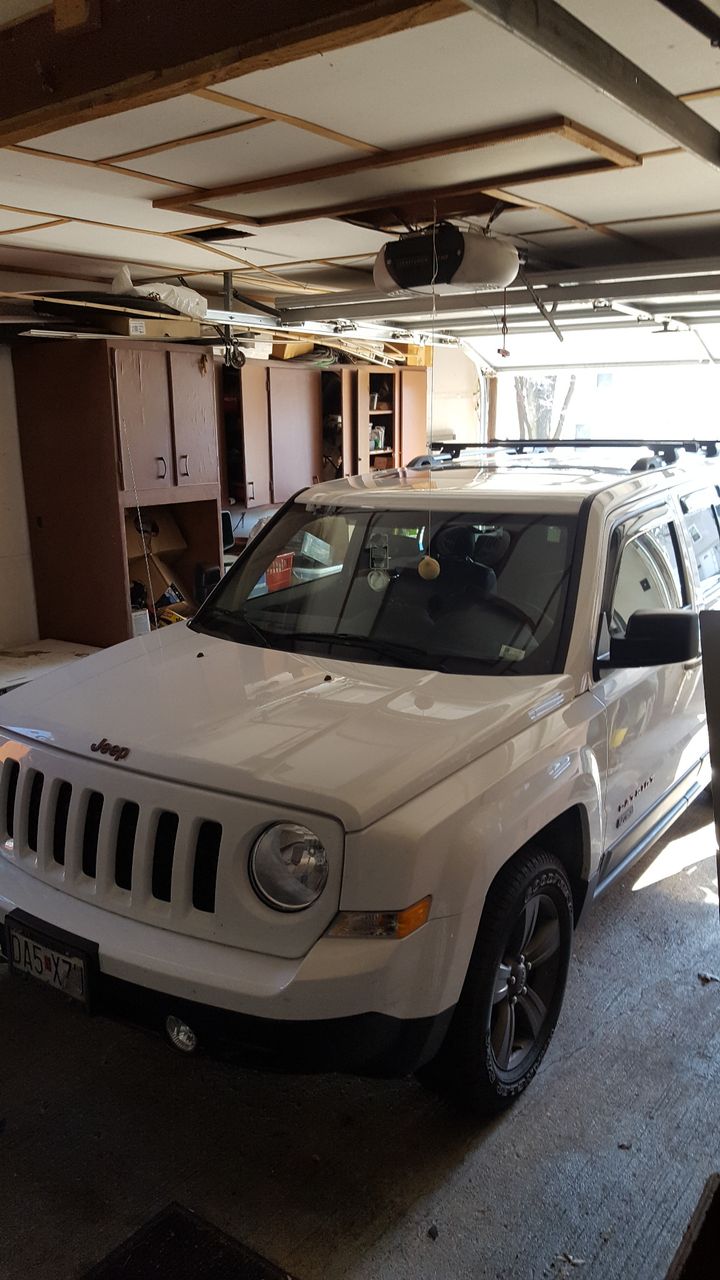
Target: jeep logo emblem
x=106, y=748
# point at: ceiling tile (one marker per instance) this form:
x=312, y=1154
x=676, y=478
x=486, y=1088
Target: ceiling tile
x=662, y=44
x=11, y=220
x=663, y=185
x=63, y=189
x=448, y=77
x=269, y=149
x=141, y=127
x=83, y=238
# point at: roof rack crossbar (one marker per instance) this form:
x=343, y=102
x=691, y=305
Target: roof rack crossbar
x=666, y=449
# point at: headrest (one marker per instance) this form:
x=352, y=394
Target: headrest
x=455, y=541
x=491, y=548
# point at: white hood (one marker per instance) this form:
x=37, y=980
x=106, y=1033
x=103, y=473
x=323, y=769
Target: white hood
x=271, y=725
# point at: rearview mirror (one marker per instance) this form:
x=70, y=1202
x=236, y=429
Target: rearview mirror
x=656, y=637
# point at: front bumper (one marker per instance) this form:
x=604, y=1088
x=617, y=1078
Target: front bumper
x=376, y=1006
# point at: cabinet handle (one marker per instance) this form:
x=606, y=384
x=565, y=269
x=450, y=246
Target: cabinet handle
x=161, y=463
x=251, y=490
x=185, y=470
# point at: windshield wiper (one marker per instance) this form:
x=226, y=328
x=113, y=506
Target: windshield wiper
x=230, y=618
x=384, y=648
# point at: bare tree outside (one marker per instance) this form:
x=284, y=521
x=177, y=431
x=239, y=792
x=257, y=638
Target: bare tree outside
x=542, y=405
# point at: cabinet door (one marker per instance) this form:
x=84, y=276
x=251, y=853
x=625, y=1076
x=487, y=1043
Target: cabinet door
x=256, y=433
x=348, y=408
x=413, y=414
x=362, y=417
x=143, y=411
x=295, y=429
x=194, y=417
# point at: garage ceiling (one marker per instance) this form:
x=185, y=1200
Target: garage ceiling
x=314, y=160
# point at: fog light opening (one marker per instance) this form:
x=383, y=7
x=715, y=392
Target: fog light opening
x=181, y=1036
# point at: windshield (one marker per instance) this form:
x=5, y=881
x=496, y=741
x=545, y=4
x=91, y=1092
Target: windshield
x=346, y=583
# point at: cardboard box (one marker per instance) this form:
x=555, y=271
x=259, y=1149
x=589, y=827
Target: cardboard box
x=157, y=577
x=289, y=350
x=159, y=330
x=162, y=535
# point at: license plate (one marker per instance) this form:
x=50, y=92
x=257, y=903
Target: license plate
x=47, y=959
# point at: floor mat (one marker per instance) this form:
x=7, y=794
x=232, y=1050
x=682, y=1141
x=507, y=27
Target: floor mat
x=179, y=1245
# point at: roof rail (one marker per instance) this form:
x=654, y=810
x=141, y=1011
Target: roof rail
x=667, y=450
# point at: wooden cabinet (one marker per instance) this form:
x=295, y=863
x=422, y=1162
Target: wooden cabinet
x=284, y=428
x=90, y=451
x=295, y=430
x=143, y=418
x=194, y=418
x=413, y=414
x=166, y=417
x=255, y=420
x=391, y=417
x=362, y=418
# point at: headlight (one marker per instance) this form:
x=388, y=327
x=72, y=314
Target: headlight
x=288, y=867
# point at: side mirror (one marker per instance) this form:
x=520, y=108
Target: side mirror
x=655, y=638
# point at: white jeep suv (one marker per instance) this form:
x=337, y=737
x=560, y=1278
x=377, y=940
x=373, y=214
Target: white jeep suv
x=350, y=815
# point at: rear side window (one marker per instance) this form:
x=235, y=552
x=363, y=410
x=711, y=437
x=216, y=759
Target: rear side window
x=701, y=525
x=648, y=577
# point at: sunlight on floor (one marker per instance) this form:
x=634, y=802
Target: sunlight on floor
x=685, y=854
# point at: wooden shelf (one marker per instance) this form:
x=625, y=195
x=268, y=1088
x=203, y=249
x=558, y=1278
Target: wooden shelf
x=374, y=452
x=374, y=412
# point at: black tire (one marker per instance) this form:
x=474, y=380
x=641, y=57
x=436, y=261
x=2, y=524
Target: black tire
x=497, y=1041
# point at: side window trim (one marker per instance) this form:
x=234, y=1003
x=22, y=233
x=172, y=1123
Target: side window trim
x=625, y=529
x=696, y=502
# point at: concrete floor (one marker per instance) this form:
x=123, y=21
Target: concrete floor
x=100, y=1127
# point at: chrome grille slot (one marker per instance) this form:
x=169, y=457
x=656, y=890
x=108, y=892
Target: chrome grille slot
x=125, y=844
x=33, y=820
x=152, y=850
x=93, y=814
x=207, y=853
x=164, y=855
x=60, y=822
x=12, y=769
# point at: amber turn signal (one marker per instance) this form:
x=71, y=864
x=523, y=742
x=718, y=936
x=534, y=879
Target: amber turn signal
x=381, y=924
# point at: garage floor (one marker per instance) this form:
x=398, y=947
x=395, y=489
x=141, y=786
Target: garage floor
x=602, y=1162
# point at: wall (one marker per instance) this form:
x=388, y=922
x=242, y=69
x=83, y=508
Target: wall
x=454, y=396
x=18, y=622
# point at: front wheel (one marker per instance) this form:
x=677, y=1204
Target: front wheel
x=514, y=987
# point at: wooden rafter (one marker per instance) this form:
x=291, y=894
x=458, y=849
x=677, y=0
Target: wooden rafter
x=34, y=226
x=282, y=117
x=145, y=53
x=210, y=135
x=553, y=126
x=460, y=190
x=98, y=164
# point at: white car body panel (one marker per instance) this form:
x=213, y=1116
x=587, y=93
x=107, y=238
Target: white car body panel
x=418, y=782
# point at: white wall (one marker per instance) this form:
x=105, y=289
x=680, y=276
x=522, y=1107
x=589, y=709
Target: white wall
x=18, y=623
x=455, y=396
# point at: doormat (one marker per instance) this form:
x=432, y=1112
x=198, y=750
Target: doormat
x=179, y=1245
x=696, y=1259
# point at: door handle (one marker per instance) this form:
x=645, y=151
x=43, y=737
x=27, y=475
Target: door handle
x=185, y=470
x=161, y=463
x=251, y=490
x=692, y=665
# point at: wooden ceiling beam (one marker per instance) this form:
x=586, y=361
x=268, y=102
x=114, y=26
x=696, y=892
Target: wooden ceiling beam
x=460, y=190
x=210, y=135
x=282, y=117
x=143, y=53
x=478, y=140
